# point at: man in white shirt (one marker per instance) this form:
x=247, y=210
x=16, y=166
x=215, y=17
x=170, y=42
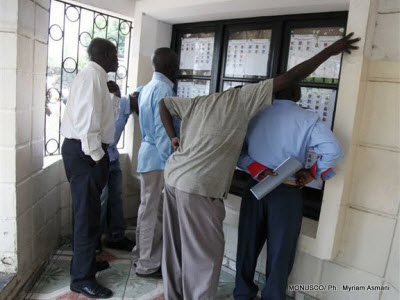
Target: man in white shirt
x=88, y=128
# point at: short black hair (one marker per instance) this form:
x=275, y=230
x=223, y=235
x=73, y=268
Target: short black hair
x=99, y=47
x=163, y=58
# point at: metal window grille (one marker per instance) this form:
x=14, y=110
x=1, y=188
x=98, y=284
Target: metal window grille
x=71, y=29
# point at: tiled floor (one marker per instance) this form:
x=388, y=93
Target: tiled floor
x=120, y=278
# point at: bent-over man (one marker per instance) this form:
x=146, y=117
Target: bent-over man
x=277, y=132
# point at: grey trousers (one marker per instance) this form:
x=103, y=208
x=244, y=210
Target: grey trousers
x=148, y=250
x=193, y=245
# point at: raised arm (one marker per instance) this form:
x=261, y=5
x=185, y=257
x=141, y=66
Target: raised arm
x=301, y=71
x=167, y=121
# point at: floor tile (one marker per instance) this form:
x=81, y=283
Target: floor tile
x=118, y=270
x=117, y=287
x=51, y=287
x=5, y=279
x=225, y=290
x=143, y=289
x=226, y=277
x=59, y=267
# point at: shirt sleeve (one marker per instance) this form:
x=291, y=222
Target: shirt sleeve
x=244, y=158
x=90, y=113
x=162, y=140
x=248, y=164
x=256, y=96
x=122, y=118
x=328, y=148
x=177, y=106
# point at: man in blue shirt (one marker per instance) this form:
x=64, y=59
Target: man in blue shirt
x=112, y=214
x=274, y=134
x=153, y=154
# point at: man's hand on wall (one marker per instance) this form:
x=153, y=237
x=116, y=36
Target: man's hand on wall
x=343, y=45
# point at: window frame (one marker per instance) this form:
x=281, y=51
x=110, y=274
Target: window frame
x=96, y=13
x=281, y=27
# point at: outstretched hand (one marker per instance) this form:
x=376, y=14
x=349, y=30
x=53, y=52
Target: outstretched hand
x=343, y=45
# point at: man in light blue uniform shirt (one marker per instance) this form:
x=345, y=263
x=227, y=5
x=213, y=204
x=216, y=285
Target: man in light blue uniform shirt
x=153, y=154
x=274, y=134
x=112, y=215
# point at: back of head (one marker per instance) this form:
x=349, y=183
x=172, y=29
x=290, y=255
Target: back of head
x=99, y=48
x=293, y=93
x=165, y=61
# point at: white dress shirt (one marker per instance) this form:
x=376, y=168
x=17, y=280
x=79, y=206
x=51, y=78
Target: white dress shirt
x=89, y=114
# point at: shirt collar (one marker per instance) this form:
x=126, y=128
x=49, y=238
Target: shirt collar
x=98, y=68
x=162, y=77
x=285, y=101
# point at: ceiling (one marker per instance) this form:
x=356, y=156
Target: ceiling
x=182, y=11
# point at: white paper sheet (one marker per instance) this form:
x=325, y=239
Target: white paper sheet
x=247, y=57
x=197, y=54
x=305, y=46
x=190, y=89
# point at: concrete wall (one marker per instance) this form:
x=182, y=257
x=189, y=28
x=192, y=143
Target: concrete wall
x=30, y=218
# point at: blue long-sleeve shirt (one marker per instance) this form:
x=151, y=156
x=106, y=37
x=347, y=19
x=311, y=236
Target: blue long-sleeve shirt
x=156, y=145
x=285, y=129
x=120, y=122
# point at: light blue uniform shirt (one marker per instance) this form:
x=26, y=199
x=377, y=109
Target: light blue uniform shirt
x=284, y=129
x=156, y=145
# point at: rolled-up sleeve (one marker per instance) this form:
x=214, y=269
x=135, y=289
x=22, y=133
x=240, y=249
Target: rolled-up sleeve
x=325, y=144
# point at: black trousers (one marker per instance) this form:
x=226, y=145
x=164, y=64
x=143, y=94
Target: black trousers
x=87, y=180
x=275, y=218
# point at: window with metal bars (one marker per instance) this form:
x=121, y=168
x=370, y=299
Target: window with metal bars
x=71, y=29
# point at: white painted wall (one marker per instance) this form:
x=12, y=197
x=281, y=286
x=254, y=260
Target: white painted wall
x=124, y=8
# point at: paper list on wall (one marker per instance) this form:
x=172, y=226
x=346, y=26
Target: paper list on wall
x=197, y=54
x=322, y=101
x=305, y=46
x=189, y=89
x=247, y=57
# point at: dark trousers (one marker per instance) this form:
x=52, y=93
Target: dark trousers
x=112, y=213
x=277, y=219
x=87, y=180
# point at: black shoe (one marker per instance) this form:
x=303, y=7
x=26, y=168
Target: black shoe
x=92, y=290
x=155, y=275
x=123, y=244
x=102, y=265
